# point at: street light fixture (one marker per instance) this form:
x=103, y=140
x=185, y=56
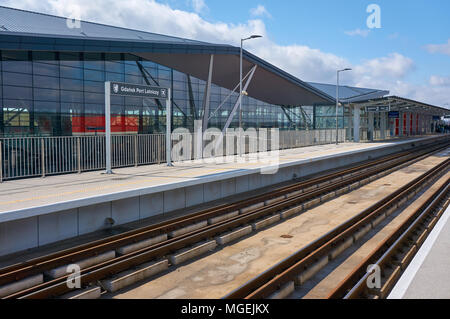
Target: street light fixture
x=337, y=102
x=255, y=36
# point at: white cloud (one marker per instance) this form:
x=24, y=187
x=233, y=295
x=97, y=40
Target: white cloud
x=439, y=80
x=199, y=5
x=439, y=48
x=260, y=11
x=394, y=65
x=358, y=32
x=307, y=63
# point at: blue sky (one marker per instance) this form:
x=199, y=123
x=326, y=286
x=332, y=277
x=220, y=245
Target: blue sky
x=407, y=27
x=409, y=55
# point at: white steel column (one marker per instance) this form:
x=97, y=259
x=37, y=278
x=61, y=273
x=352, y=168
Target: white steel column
x=108, y=126
x=371, y=126
x=356, y=123
x=401, y=124
x=169, y=128
x=383, y=125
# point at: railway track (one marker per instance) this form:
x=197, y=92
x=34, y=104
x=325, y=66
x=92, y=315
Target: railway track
x=392, y=255
x=158, y=241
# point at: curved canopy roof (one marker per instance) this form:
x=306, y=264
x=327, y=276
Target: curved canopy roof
x=397, y=103
x=349, y=94
x=25, y=30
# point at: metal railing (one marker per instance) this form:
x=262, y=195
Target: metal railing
x=40, y=156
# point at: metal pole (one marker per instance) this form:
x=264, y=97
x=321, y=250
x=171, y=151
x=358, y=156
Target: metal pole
x=240, y=100
x=43, y=157
x=108, y=126
x=337, y=105
x=79, y=155
x=168, y=129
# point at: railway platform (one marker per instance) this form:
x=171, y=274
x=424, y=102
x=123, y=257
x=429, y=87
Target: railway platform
x=428, y=275
x=39, y=211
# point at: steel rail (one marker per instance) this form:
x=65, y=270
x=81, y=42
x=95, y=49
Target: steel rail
x=385, y=251
x=57, y=286
x=286, y=270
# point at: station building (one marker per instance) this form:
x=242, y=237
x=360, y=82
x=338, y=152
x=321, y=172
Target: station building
x=53, y=73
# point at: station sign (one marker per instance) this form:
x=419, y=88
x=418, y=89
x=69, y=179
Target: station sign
x=394, y=115
x=436, y=118
x=127, y=89
x=382, y=108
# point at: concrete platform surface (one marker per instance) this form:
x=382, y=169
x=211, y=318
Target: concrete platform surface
x=37, y=196
x=37, y=212
x=428, y=274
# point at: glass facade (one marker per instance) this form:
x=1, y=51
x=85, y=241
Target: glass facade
x=62, y=94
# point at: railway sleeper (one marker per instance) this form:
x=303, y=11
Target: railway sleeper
x=311, y=203
x=292, y=194
x=363, y=231
x=233, y=235
x=327, y=196
x=192, y=252
x=252, y=207
x=339, y=249
x=188, y=229
x=129, y=277
x=221, y=218
x=291, y=211
x=390, y=282
x=311, y=270
x=285, y=291
x=274, y=200
x=266, y=222
x=85, y=263
x=22, y=284
x=141, y=244
x=405, y=257
x=378, y=220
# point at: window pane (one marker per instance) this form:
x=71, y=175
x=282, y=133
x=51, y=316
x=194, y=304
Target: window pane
x=73, y=73
x=14, y=92
x=71, y=84
x=94, y=75
x=46, y=95
x=45, y=69
x=91, y=86
x=21, y=79
x=71, y=96
x=48, y=82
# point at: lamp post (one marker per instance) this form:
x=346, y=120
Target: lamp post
x=240, y=88
x=337, y=102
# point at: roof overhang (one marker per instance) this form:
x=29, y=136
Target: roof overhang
x=397, y=103
x=269, y=83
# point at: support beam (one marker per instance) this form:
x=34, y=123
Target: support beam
x=230, y=117
x=371, y=126
x=383, y=125
x=206, y=97
x=401, y=124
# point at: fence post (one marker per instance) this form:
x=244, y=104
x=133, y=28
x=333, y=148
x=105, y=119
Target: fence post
x=135, y=150
x=1, y=163
x=79, y=155
x=43, y=157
